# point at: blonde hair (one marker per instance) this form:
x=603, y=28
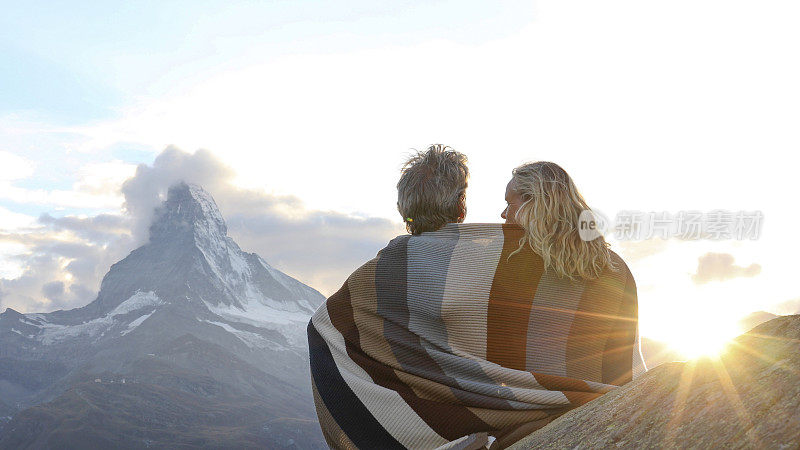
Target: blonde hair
x=432, y=189
x=549, y=215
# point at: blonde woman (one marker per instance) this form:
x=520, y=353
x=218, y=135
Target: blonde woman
x=583, y=321
x=542, y=198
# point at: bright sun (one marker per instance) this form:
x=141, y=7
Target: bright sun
x=710, y=339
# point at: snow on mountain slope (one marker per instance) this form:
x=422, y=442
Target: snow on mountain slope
x=54, y=332
x=135, y=323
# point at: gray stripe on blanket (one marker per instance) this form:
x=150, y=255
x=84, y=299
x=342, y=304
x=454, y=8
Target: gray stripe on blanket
x=429, y=260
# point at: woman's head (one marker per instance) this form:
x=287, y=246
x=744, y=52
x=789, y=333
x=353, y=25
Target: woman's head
x=542, y=198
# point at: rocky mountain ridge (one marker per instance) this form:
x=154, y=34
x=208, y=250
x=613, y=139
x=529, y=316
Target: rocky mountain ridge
x=190, y=322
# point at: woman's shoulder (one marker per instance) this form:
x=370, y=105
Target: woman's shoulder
x=619, y=265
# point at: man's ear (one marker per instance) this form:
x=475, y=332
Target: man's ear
x=463, y=211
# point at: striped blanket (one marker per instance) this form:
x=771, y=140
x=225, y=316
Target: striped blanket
x=443, y=339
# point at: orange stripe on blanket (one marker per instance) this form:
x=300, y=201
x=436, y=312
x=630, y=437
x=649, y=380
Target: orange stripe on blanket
x=510, y=300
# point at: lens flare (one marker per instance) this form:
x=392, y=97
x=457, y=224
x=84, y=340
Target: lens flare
x=708, y=339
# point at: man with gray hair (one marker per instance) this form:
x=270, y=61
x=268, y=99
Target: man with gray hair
x=432, y=189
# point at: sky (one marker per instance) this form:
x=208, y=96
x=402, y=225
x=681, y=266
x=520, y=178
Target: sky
x=297, y=116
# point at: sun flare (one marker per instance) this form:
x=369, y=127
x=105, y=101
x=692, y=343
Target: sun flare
x=708, y=340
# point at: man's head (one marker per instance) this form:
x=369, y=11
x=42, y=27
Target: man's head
x=432, y=189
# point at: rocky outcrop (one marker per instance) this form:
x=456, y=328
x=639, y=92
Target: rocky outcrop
x=748, y=398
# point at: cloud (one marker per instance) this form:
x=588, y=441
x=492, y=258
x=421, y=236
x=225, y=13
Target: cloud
x=103, y=177
x=147, y=188
x=63, y=261
x=320, y=248
x=102, y=228
x=11, y=220
x=66, y=257
x=95, y=185
x=637, y=250
x=720, y=267
x=14, y=167
x=788, y=307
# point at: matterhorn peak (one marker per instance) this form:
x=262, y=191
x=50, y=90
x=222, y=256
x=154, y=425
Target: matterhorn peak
x=192, y=321
x=188, y=210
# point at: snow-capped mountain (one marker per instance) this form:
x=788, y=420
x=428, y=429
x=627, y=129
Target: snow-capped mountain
x=189, y=311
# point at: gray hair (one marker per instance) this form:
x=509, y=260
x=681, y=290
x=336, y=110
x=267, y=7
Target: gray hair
x=432, y=189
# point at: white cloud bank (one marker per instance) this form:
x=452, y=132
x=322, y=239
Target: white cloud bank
x=65, y=257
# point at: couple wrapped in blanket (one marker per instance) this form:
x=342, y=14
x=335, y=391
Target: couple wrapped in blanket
x=473, y=335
